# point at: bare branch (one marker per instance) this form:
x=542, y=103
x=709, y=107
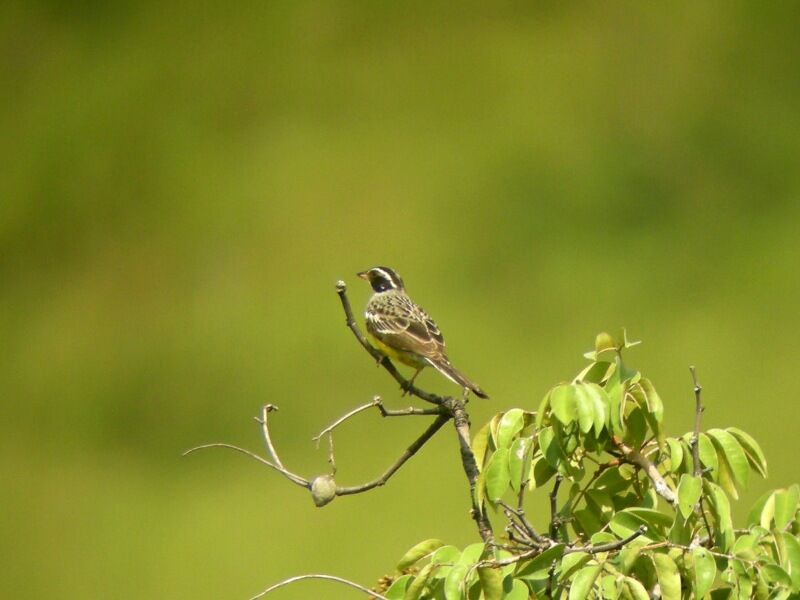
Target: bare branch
x=410, y=451
x=265, y=410
x=289, y=475
x=554, y=519
x=461, y=422
x=610, y=546
x=375, y=402
x=698, y=468
x=635, y=457
x=297, y=578
x=341, y=289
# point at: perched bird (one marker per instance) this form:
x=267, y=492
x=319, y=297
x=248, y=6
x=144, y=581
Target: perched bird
x=402, y=330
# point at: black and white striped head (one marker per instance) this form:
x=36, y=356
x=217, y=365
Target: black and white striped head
x=382, y=279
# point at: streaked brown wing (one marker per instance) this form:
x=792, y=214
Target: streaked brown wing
x=404, y=326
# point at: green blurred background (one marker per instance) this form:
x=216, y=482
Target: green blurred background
x=181, y=184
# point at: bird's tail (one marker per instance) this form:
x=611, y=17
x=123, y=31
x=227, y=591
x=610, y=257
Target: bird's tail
x=445, y=368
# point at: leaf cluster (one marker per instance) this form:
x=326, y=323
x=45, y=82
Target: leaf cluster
x=635, y=517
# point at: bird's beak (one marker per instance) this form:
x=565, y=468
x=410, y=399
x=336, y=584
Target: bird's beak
x=363, y=275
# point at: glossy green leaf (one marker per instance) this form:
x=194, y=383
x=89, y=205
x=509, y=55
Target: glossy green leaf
x=454, y=583
x=446, y=556
x=480, y=442
x=491, y=583
x=398, y=588
x=418, y=552
x=755, y=456
x=654, y=403
x=415, y=589
x=571, y=563
x=786, y=505
x=519, y=461
x=705, y=570
x=601, y=403
x=471, y=554
x=775, y=574
x=792, y=559
x=518, y=591
x=720, y=507
x=689, y=490
x=563, y=401
x=497, y=475
x=675, y=454
x=609, y=588
x=584, y=405
x=541, y=472
x=754, y=516
x=732, y=453
x=635, y=589
x=510, y=425
x=537, y=567
x=669, y=578
x=583, y=582
x=708, y=455
x=624, y=524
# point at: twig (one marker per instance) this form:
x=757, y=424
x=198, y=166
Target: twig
x=288, y=474
x=527, y=529
x=610, y=546
x=341, y=289
x=461, y=423
x=551, y=574
x=635, y=457
x=265, y=410
x=554, y=519
x=375, y=402
x=698, y=468
x=316, y=576
x=698, y=413
x=410, y=451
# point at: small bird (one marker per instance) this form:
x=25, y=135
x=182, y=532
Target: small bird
x=401, y=330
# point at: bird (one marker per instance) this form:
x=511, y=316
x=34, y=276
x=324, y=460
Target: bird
x=402, y=330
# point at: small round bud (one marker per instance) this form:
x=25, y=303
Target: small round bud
x=323, y=489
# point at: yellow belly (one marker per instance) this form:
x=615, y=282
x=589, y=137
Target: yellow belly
x=407, y=358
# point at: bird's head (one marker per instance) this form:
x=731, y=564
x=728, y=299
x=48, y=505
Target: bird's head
x=382, y=279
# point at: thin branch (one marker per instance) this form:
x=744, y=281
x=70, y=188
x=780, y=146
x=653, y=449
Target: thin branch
x=265, y=410
x=698, y=468
x=610, y=546
x=410, y=451
x=635, y=457
x=375, y=402
x=527, y=529
x=324, y=577
x=289, y=475
x=461, y=423
x=698, y=413
x=341, y=289
x=554, y=519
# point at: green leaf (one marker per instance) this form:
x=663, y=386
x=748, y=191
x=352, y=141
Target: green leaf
x=491, y=583
x=446, y=556
x=454, y=582
x=775, y=574
x=471, y=554
x=399, y=587
x=570, y=564
x=624, y=524
x=601, y=403
x=479, y=444
x=609, y=588
x=792, y=562
x=510, y=425
x=418, y=552
x=733, y=453
x=689, y=490
x=519, y=461
x=497, y=475
x=668, y=577
x=635, y=428
x=754, y=516
x=635, y=589
x=541, y=472
x=415, y=589
x=755, y=456
x=708, y=455
x=563, y=400
x=537, y=567
x=721, y=509
x=786, y=505
x=654, y=403
x=583, y=582
x=518, y=591
x=705, y=570
x=584, y=405
x=675, y=454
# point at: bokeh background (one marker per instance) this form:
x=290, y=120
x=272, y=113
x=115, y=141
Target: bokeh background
x=181, y=184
